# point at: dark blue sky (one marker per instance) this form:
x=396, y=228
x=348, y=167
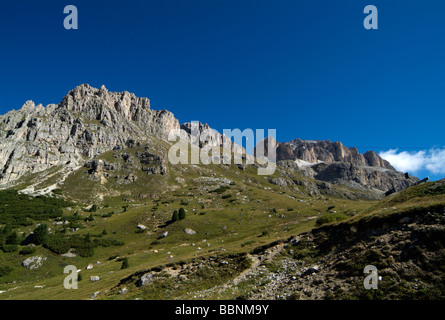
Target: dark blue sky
x=306, y=68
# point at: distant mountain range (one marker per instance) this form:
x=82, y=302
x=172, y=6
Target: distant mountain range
x=89, y=122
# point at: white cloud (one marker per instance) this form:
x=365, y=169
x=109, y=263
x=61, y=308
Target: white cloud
x=432, y=160
x=436, y=163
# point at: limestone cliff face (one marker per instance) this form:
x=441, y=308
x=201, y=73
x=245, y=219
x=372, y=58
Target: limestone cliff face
x=87, y=122
x=333, y=162
x=205, y=135
x=356, y=176
x=329, y=152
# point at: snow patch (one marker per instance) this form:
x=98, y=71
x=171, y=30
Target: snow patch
x=304, y=164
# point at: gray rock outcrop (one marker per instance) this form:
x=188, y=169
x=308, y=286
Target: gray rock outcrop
x=356, y=176
x=189, y=231
x=146, y=279
x=33, y=262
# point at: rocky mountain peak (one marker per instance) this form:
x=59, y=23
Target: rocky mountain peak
x=216, y=139
x=87, y=122
x=335, y=163
x=262, y=148
x=314, y=151
x=98, y=103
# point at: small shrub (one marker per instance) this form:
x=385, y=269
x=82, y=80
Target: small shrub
x=5, y=270
x=57, y=191
x=181, y=214
x=74, y=225
x=13, y=239
x=247, y=243
x=27, y=250
x=108, y=242
x=85, y=251
x=125, y=264
x=175, y=216
x=40, y=234
x=221, y=189
x=57, y=243
x=10, y=247
x=329, y=218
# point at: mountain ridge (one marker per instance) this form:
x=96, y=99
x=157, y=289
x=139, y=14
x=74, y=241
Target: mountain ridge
x=333, y=162
x=88, y=122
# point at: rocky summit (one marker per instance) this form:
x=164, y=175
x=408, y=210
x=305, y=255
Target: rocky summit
x=86, y=123
x=335, y=163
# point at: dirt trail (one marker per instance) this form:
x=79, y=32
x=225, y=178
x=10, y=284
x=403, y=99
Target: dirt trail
x=257, y=260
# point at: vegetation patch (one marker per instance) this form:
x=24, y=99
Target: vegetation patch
x=19, y=209
x=330, y=217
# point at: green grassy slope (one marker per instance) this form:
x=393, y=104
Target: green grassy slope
x=249, y=212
